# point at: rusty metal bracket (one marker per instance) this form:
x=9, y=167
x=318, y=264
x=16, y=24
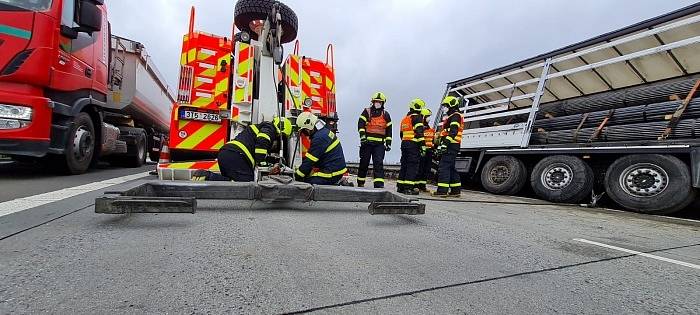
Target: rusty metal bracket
x=676, y=117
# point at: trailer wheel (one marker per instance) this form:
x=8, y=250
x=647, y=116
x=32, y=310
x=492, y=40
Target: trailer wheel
x=80, y=147
x=504, y=175
x=562, y=179
x=247, y=12
x=137, y=153
x=650, y=183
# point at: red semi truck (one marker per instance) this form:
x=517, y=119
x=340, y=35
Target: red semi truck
x=71, y=93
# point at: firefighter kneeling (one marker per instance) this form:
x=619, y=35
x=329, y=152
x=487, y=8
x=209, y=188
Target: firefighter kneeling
x=238, y=158
x=449, y=181
x=324, y=162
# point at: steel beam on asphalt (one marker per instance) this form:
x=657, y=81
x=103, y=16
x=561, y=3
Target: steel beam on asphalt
x=181, y=197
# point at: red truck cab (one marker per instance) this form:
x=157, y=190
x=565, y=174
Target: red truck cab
x=54, y=57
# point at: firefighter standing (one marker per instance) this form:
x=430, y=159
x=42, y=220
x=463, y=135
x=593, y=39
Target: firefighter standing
x=324, y=162
x=412, y=148
x=374, y=126
x=426, y=160
x=237, y=159
x=449, y=181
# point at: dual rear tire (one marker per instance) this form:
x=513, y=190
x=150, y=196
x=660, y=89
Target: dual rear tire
x=648, y=183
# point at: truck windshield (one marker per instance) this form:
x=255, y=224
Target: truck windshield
x=33, y=5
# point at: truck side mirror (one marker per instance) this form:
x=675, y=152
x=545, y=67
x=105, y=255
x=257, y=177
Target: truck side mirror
x=89, y=17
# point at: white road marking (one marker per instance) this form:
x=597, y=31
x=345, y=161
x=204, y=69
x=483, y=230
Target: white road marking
x=634, y=252
x=21, y=204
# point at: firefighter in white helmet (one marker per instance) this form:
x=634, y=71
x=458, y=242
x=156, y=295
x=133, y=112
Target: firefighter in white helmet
x=324, y=162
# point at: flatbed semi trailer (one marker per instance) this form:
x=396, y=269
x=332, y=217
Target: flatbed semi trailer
x=616, y=113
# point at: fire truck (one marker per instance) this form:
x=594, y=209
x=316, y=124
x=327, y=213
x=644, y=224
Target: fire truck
x=228, y=83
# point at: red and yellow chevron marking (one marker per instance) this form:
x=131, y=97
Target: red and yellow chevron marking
x=204, y=53
x=243, y=90
x=318, y=83
x=293, y=98
x=196, y=135
x=198, y=165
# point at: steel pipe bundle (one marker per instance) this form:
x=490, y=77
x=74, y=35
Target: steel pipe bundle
x=687, y=128
x=621, y=116
x=633, y=96
x=659, y=92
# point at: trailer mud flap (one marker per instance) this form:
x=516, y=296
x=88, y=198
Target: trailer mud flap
x=181, y=197
x=695, y=166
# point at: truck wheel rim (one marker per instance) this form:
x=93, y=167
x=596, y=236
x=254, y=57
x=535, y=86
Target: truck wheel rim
x=557, y=176
x=499, y=174
x=82, y=143
x=644, y=180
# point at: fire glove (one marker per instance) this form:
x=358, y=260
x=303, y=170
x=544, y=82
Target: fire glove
x=276, y=169
x=263, y=164
x=387, y=147
x=423, y=150
x=363, y=139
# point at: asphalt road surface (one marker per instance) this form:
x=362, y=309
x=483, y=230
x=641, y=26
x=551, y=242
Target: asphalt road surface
x=481, y=254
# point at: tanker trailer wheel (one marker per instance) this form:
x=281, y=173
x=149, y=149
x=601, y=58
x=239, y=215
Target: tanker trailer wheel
x=650, y=183
x=504, y=175
x=80, y=147
x=562, y=179
x=248, y=12
x=136, y=155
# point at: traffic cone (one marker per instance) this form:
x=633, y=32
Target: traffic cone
x=164, y=155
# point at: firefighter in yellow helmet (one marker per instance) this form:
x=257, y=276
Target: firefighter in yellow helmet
x=449, y=181
x=412, y=147
x=374, y=127
x=238, y=158
x=426, y=161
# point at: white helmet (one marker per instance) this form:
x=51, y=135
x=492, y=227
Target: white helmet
x=307, y=120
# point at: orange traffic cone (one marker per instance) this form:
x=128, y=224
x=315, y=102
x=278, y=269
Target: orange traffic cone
x=164, y=155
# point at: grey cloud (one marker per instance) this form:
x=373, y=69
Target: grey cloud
x=407, y=49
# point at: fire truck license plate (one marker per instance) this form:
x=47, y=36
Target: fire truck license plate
x=192, y=115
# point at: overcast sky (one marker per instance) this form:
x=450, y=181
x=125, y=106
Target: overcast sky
x=405, y=48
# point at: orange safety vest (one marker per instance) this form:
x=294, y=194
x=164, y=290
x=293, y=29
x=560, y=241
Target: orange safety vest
x=376, y=125
x=429, y=135
x=445, y=127
x=407, y=133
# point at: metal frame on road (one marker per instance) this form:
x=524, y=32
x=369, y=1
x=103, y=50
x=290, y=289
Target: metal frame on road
x=181, y=197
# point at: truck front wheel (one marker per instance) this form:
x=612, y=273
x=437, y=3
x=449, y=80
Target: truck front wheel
x=504, y=175
x=562, y=178
x=80, y=148
x=650, y=183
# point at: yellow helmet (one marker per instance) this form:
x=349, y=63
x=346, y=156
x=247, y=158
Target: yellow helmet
x=306, y=120
x=426, y=112
x=283, y=126
x=379, y=97
x=450, y=101
x=416, y=104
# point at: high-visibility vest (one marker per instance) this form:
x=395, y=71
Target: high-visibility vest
x=376, y=125
x=446, y=125
x=429, y=135
x=407, y=130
